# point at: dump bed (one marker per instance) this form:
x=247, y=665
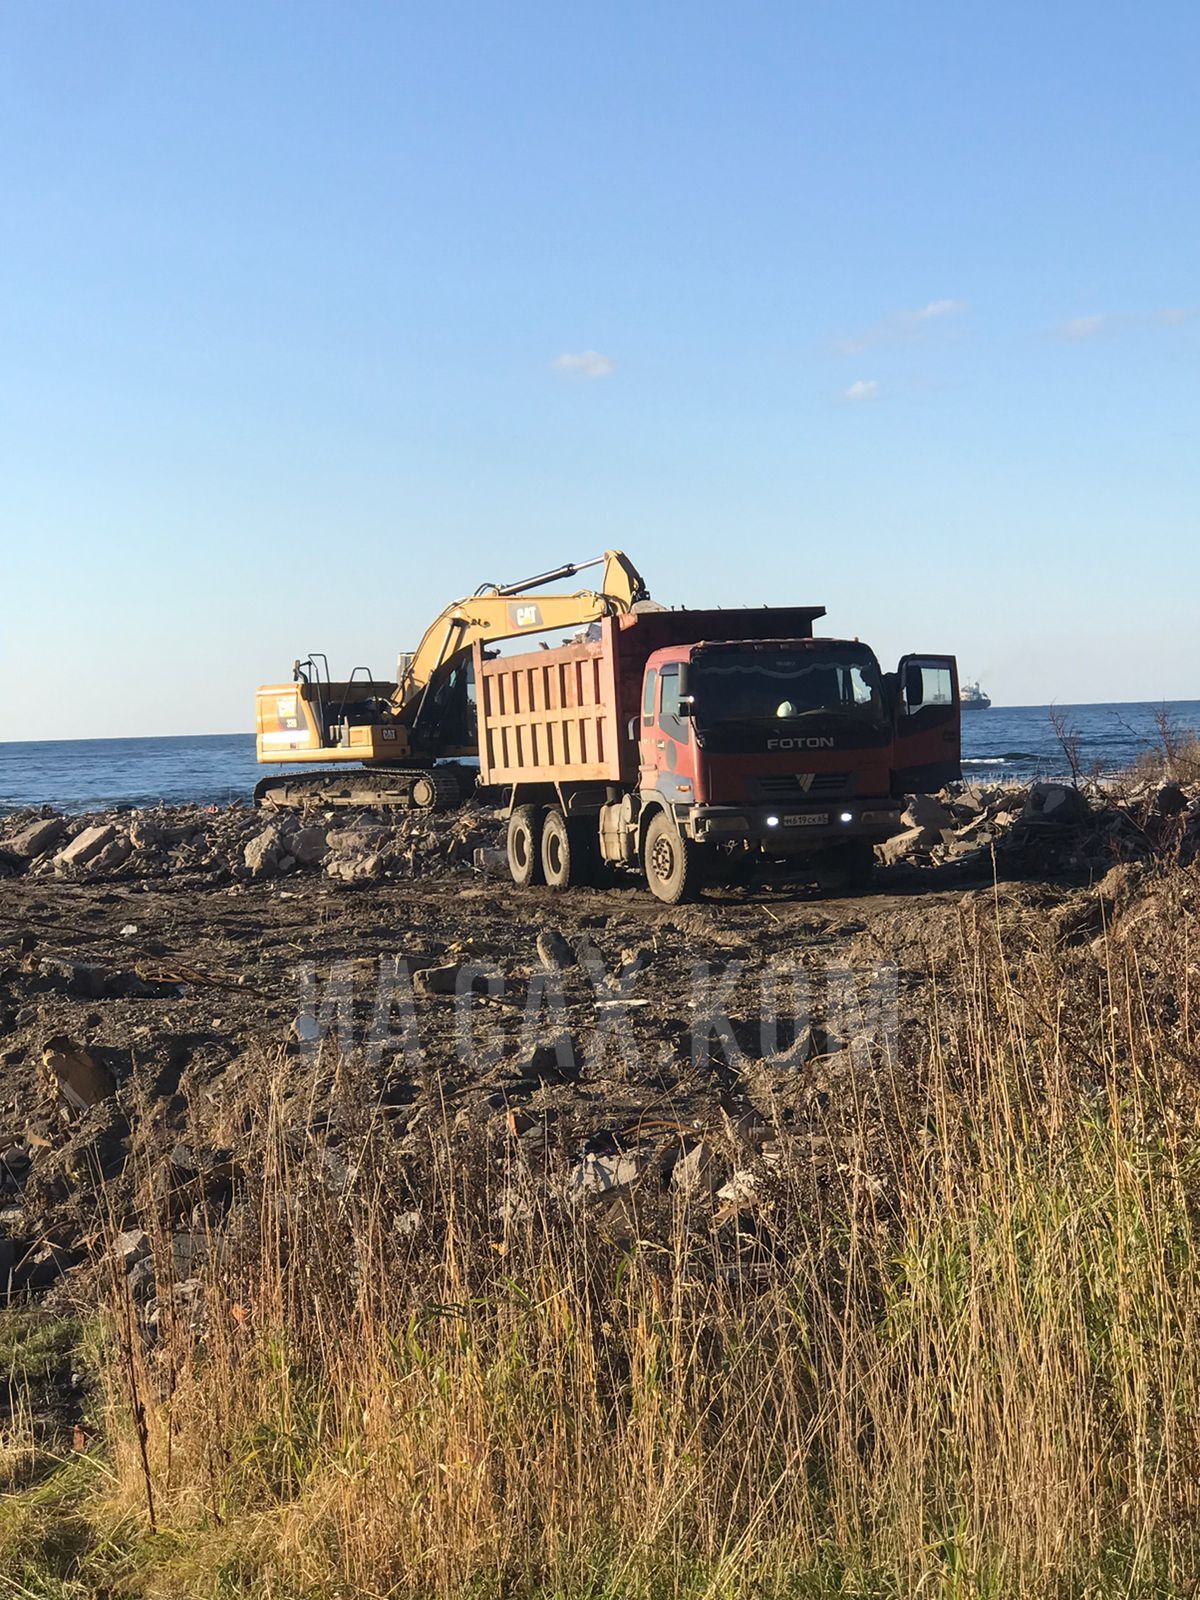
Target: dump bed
x=561, y=715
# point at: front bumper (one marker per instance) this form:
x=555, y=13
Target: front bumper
x=791, y=829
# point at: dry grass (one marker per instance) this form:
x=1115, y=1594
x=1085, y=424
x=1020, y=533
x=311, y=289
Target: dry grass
x=1174, y=755
x=969, y=1367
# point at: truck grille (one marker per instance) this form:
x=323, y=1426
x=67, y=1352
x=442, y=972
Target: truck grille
x=799, y=785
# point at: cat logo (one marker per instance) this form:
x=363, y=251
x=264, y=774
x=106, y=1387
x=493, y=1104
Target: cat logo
x=525, y=616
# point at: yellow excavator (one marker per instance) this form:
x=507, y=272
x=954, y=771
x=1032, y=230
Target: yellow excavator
x=406, y=737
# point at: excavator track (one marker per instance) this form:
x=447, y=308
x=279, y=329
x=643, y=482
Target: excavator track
x=439, y=788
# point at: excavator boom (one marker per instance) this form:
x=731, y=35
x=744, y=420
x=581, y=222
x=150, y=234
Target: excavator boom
x=506, y=611
x=396, y=731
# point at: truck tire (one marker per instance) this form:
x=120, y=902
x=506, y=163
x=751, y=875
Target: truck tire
x=523, y=845
x=568, y=854
x=671, y=862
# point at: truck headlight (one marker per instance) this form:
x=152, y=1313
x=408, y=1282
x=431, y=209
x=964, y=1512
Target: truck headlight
x=772, y=822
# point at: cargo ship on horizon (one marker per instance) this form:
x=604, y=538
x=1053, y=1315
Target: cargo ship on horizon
x=972, y=697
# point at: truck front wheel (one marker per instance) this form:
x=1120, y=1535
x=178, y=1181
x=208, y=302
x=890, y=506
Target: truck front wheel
x=671, y=862
x=523, y=845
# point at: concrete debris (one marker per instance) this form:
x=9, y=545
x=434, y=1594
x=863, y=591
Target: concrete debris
x=193, y=845
x=35, y=839
x=131, y=1247
x=1057, y=803
x=361, y=867
x=697, y=1171
x=599, y=1174
x=73, y=1075
x=85, y=846
x=926, y=811
x=1016, y=829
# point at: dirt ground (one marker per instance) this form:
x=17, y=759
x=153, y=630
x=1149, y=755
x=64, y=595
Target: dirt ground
x=597, y=1021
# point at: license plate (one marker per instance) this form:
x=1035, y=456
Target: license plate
x=806, y=819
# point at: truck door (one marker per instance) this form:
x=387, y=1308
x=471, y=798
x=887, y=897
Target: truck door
x=667, y=756
x=927, y=745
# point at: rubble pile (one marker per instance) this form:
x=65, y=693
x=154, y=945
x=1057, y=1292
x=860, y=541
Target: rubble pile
x=1047, y=827
x=194, y=846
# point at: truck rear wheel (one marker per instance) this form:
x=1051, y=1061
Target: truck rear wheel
x=569, y=850
x=523, y=845
x=671, y=862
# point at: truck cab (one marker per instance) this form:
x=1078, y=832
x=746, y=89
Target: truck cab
x=785, y=748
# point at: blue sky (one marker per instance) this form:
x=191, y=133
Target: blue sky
x=314, y=316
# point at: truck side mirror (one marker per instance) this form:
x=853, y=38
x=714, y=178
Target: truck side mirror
x=914, y=686
x=683, y=680
x=685, y=706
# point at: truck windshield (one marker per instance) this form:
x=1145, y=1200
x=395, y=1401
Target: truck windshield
x=732, y=686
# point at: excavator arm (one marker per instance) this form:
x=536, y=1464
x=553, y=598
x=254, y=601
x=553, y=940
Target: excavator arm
x=507, y=611
x=398, y=733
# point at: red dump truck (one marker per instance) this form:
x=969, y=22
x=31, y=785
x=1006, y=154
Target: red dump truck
x=678, y=742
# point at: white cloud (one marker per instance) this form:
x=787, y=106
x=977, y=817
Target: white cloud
x=900, y=325
x=862, y=389
x=1176, y=316
x=1084, y=327
x=586, y=364
x=936, y=308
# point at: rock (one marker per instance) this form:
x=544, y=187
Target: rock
x=553, y=1062
x=926, y=811
x=348, y=841
x=1056, y=802
x=356, y=868
x=188, y=1251
x=73, y=1074
x=969, y=803
x=308, y=845
x=131, y=1247
x=906, y=844
x=556, y=954
x=598, y=1174
x=116, y=852
x=88, y=844
x=741, y=1190
x=145, y=834
x=37, y=838
x=262, y=854
x=81, y=978
x=697, y=1171
x=459, y=977
x=1170, y=800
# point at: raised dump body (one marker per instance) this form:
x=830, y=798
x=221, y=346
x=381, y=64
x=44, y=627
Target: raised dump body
x=562, y=715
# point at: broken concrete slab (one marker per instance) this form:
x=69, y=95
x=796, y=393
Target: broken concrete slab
x=85, y=846
x=35, y=839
